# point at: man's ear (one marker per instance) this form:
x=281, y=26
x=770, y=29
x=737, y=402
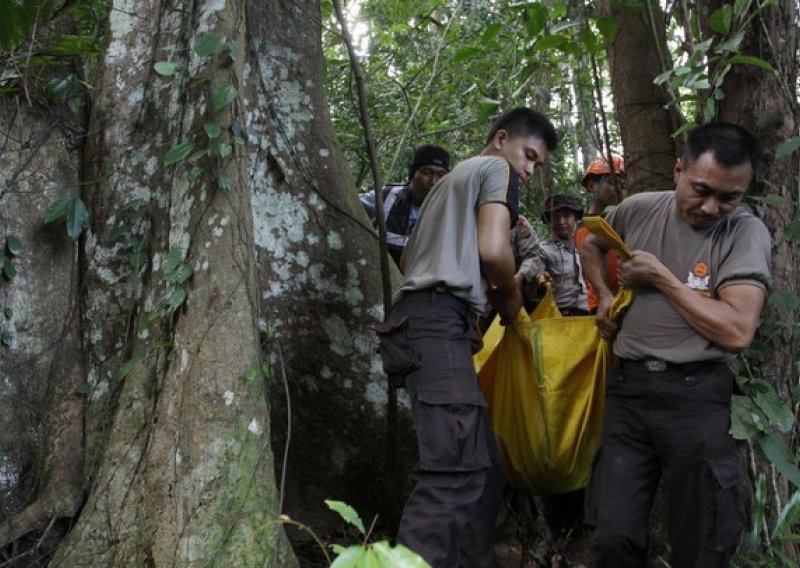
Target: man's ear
x=677, y=171
x=499, y=139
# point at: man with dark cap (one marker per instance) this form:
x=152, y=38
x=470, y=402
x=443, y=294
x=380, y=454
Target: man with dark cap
x=401, y=203
x=556, y=260
x=459, y=258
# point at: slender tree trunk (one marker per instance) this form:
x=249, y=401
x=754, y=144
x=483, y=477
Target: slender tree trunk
x=636, y=57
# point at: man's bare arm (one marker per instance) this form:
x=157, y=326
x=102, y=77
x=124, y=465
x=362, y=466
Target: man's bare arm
x=729, y=321
x=497, y=259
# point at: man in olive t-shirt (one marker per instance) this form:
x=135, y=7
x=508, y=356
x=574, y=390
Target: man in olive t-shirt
x=699, y=272
x=458, y=258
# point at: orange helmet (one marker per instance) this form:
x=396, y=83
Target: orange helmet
x=599, y=167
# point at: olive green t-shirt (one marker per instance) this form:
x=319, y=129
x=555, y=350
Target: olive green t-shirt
x=735, y=250
x=442, y=252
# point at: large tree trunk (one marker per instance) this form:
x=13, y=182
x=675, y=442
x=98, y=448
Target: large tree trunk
x=637, y=55
x=182, y=266
x=767, y=104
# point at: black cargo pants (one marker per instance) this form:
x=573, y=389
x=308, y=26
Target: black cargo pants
x=672, y=423
x=449, y=517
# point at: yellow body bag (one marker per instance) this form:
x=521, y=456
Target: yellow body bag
x=544, y=379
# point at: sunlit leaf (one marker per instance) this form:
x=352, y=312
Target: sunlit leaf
x=349, y=558
x=491, y=32
x=183, y=273
x=225, y=150
x=608, y=28
x=746, y=420
x=789, y=515
x=347, y=513
x=165, y=68
x=778, y=413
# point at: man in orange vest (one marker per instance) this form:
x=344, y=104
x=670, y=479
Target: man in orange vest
x=605, y=186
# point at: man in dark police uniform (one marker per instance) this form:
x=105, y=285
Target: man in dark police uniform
x=699, y=272
x=458, y=258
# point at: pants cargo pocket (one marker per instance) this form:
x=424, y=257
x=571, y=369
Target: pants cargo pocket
x=451, y=431
x=730, y=516
x=398, y=355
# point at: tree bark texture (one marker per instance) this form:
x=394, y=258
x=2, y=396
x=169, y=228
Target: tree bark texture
x=158, y=310
x=646, y=126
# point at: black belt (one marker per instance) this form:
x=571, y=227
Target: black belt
x=661, y=366
x=439, y=296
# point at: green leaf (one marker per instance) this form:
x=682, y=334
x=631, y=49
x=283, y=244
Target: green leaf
x=789, y=515
x=8, y=269
x=266, y=368
x=746, y=419
x=212, y=129
x=239, y=133
x=549, y=42
x=781, y=456
x=792, y=231
x=183, y=273
x=588, y=39
x=720, y=20
x=209, y=43
x=398, y=556
x=13, y=245
x=775, y=410
x=8, y=313
x=225, y=181
x=347, y=513
x=787, y=147
x=349, y=558
x=58, y=209
x=663, y=77
x=222, y=97
x=6, y=339
x=83, y=388
x=176, y=299
x=772, y=200
x=178, y=153
x=225, y=150
x=165, y=68
x=251, y=374
x=537, y=17
x=608, y=28
x=491, y=32
x=711, y=109
x=750, y=60
x=730, y=45
x=337, y=548
x=171, y=261
x=129, y=366
x=77, y=218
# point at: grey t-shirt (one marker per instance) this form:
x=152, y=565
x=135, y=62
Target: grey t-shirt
x=442, y=252
x=735, y=250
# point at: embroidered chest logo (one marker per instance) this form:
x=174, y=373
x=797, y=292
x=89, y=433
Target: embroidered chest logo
x=699, y=278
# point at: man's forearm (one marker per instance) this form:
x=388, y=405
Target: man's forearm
x=729, y=322
x=594, y=268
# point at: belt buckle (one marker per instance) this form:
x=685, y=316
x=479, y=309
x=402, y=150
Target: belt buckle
x=655, y=365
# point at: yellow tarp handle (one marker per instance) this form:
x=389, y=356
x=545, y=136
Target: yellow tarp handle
x=601, y=228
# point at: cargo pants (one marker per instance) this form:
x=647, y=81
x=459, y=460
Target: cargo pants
x=428, y=341
x=671, y=423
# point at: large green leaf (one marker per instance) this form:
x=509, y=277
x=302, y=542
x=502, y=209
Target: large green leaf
x=347, y=513
x=74, y=212
x=129, y=366
x=750, y=60
x=787, y=147
x=721, y=18
x=165, y=68
x=746, y=419
x=608, y=28
x=209, y=43
x=781, y=456
x=171, y=261
x=778, y=413
x=788, y=517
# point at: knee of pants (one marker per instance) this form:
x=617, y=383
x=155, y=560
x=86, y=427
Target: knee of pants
x=617, y=548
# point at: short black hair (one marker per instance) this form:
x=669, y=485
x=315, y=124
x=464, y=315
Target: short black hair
x=525, y=121
x=730, y=144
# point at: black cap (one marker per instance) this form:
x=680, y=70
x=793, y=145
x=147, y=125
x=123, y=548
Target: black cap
x=429, y=155
x=561, y=201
